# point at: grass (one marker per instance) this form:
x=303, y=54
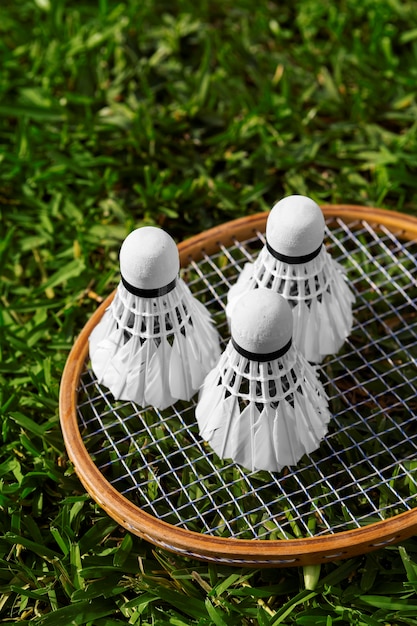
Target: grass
x=184, y=115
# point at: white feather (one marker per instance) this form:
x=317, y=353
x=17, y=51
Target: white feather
x=179, y=375
x=243, y=284
x=288, y=450
x=136, y=377
x=210, y=404
x=318, y=293
x=154, y=351
x=264, y=454
x=103, y=356
x=156, y=385
x=238, y=444
x=223, y=423
x=271, y=431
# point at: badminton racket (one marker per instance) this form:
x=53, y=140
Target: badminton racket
x=152, y=473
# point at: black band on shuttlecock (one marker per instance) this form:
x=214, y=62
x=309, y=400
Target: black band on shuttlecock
x=293, y=260
x=262, y=358
x=149, y=293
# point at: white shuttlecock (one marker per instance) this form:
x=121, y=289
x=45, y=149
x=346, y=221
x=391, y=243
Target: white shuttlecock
x=262, y=405
x=295, y=263
x=156, y=341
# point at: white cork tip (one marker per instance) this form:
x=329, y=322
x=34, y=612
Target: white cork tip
x=261, y=321
x=295, y=226
x=149, y=258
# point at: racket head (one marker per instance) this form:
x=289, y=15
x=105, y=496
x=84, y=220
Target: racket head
x=210, y=261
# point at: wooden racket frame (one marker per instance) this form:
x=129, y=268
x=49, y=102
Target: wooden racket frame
x=239, y=552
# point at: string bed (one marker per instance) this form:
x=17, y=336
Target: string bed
x=365, y=469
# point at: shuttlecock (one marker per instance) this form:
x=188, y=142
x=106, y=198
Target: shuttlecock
x=295, y=263
x=262, y=405
x=156, y=341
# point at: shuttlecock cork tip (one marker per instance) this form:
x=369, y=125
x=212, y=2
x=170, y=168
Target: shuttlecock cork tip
x=295, y=226
x=261, y=322
x=149, y=258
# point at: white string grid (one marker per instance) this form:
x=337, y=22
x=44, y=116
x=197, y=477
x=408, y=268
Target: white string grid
x=366, y=468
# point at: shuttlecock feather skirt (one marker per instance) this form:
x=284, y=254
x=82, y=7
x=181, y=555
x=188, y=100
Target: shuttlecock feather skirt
x=154, y=351
x=318, y=293
x=262, y=415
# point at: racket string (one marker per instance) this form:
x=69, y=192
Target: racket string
x=364, y=470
